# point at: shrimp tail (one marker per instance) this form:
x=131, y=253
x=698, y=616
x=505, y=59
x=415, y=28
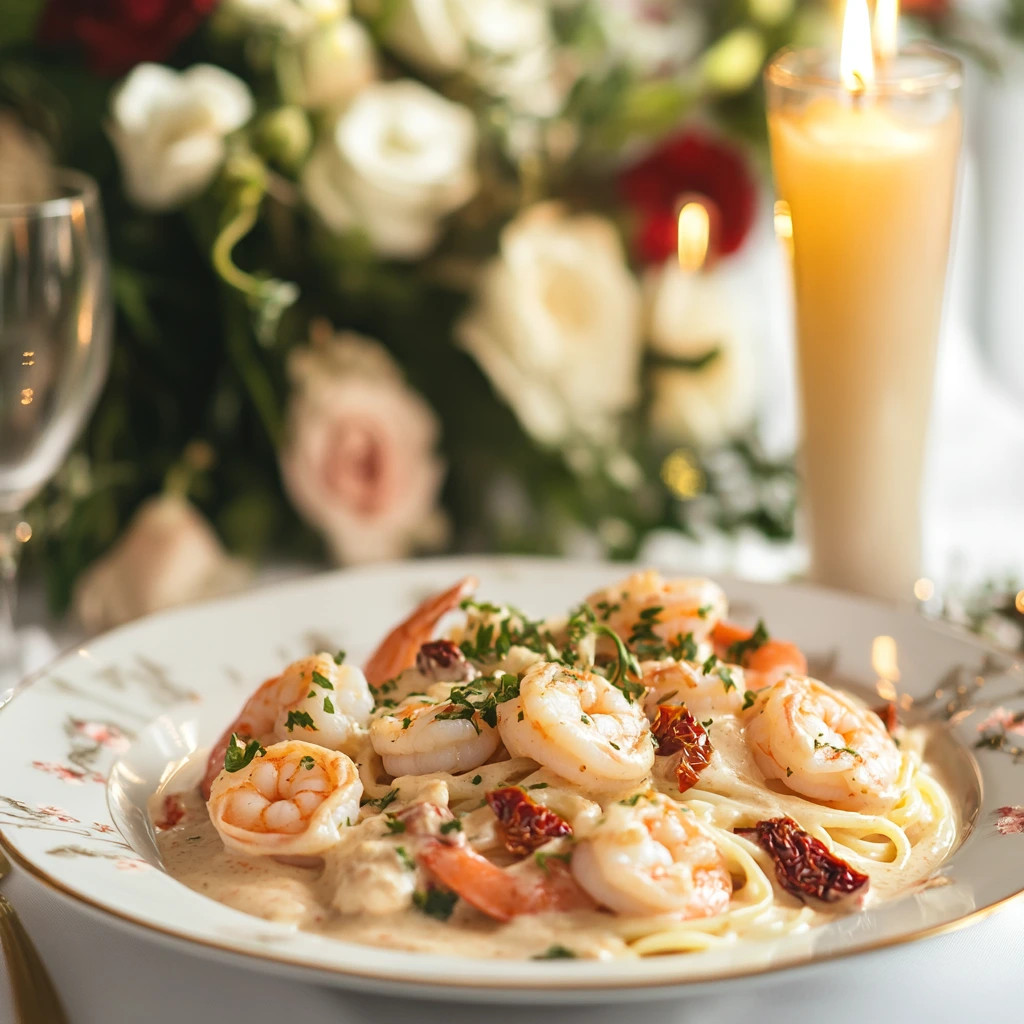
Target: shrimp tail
x=398, y=649
x=495, y=891
x=770, y=660
x=240, y=727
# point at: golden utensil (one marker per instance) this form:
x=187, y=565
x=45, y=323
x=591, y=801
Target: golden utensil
x=35, y=998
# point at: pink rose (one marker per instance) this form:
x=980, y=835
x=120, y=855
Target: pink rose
x=359, y=463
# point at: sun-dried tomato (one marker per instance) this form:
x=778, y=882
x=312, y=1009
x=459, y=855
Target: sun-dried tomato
x=803, y=865
x=678, y=732
x=889, y=715
x=443, y=662
x=523, y=824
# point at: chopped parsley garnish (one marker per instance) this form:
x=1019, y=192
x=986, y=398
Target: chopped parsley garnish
x=606, y=610
x=437, y=903
x=683, y=648
x=312, y=693
x=328, y=706
x=538, y=785
x=748, y=699
x=615, y=745
x=455, y=825
x=321, y=680
x=395, y=827
x=519, y=717
x=838, y=750
x=708, y=665
x=741, y=648
x=726, y=676
x=633, y=800
x=789, y=771
x=339, y=658
x=477, y=779
x=301, y=718
x=406, y=722
x=236, y=757
x=556, y=953
x=707, y=725
x=307, y=762
x=542, y=859
x=702, y=611
x=193, y=839
x=407, y=861
x=584, y=720
x=643, y=639
x=383, y=802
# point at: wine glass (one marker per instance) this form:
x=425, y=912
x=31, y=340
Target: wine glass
x=55, y=327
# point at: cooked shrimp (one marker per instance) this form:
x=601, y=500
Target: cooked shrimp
x=398, y=650
x=764, y=664
x=717, y=692
x=415, y=738
x=824, y=745
x=653, y=858
x=313, y=698
x=578, y=725
x=686, y=605
x=293, y=800
x=502, y=893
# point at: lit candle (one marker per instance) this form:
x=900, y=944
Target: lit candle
x=865, y=161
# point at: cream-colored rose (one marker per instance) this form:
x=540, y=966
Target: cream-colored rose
x=447, y=35
x=360, y=462
x=168, y=555
x=395, y=163
x=26, y=161
x=653, y=36
x=335, y=62
x=556, y=325
x=695, y=317
x=168, y=128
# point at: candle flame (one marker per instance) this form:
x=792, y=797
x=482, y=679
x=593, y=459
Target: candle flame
x=694, y=236
x=887, y=17
x=856, y=60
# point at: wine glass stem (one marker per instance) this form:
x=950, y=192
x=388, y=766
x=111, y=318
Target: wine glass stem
x=10, y=554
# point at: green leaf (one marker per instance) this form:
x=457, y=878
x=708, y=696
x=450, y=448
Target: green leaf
x=236, y=757
x=437, y=903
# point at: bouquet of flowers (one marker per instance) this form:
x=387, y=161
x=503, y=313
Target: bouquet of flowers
x=402, y=275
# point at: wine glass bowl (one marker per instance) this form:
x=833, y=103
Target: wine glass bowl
x=55, y=330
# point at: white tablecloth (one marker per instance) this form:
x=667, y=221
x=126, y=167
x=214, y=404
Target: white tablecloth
x=107, y=975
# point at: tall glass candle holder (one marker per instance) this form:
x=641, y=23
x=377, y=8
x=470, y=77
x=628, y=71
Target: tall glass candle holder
x=867, y=164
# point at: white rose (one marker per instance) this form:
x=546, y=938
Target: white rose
x=335, y=62
x=443, y=35
x=293, y=17
x=168, y=128
x=556, y=325
x=694, y=317
x=397, y=161
x=360, y=462
x=168, y=555
x=653, y=36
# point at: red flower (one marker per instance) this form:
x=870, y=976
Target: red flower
x=115, y=35
x=693, y=162
x=926, y=8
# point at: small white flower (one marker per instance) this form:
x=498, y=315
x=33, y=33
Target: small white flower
x=168, y=128
x=397, y=161
x=336, y=61
x=556, y=325
x=506, y=46
x=168, y=555
x=652, y=36
x=693, y=317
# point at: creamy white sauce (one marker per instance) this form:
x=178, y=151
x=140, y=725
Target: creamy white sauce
x=309, y=897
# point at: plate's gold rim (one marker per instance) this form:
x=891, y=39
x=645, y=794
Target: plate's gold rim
x=484, y=984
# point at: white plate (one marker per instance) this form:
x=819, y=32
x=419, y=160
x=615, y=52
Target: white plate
x=88, y=740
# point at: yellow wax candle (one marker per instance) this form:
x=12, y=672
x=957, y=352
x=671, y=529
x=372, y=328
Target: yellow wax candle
x=869, y=180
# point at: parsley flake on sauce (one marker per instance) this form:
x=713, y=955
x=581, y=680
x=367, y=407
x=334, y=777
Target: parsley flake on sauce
x=556, y=952
x=437, y=903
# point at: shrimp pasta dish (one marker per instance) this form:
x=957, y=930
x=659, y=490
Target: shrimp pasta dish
x=637, y=776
